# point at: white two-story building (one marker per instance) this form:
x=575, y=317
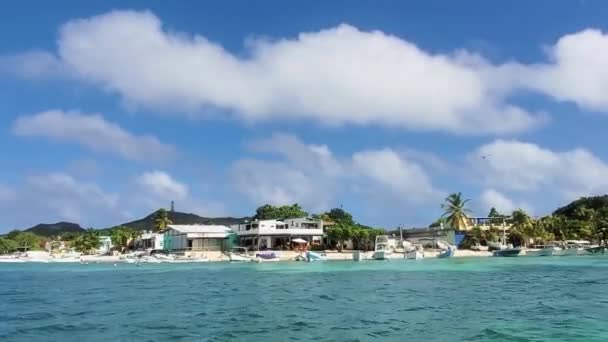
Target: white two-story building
x=275, y=234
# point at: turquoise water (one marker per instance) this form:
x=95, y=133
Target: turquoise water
x=486, y=299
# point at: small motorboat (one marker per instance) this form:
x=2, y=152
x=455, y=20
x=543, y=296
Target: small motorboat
x=496, y=246
x=382, y=251
x=543, y=251
x=269, y=256
x=239, y=254
x=414, y=255
x=446, y=253
x=596, y=250
x=312, y=256
x=480, y=248
x=508, y=252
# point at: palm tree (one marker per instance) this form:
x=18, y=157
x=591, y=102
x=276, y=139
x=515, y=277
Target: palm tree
x=161, y=220
x=456, y=213
x=523, y=224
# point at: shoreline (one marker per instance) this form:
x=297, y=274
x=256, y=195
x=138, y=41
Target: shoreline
x=199, y=257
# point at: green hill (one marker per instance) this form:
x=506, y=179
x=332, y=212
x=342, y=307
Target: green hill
x=570, y=210
x=53, y=229
x=147, y=223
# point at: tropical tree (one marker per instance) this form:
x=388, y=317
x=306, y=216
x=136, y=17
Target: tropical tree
x=87, y=242
x=456, y=212
x=161, y=219
x=340, y=216
x=522, y=226
x=361, y=236
x=334, y=233
x=7, y=245
x=122, y=236
x=271, y=212
x=27, y=240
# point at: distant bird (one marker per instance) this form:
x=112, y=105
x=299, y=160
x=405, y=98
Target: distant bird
x=486, y=156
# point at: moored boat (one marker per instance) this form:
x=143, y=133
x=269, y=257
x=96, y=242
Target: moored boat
x=239, y=254
x=269, y=256
x=382, y=251
x=508, y=252
x=446, y=253
x=596, y=249
x=312, y=256
x=414, y=255
x=543, y=251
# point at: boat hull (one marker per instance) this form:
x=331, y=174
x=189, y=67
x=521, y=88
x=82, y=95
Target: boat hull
x=312, y=256
x=414, y=255
x=239, y=258
x=542, y=252
x=381, y=255
x=509, y=252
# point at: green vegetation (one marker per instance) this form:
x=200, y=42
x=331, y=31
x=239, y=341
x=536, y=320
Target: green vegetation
x=122, y=236
x=7, y=245
x=161, y=219
x=88, y=242
x=583, y=219
x=343, y=228
x=270, y=212
x=456, y=213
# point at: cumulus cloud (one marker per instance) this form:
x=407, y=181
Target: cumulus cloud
x=312, y=176
x=491, y=198
x=340, y=75
x=93, y=132
x=578, y=71
x=521, y=166
x=59, y=196
x=395, y=174
x=162, y=184
x=159, y=188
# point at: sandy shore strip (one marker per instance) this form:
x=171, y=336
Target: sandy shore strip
x=44, y=257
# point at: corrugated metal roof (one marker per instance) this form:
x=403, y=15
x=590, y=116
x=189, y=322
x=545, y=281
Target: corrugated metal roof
x=199, y=228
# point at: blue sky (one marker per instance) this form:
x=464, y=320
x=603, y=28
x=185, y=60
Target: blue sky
x=109, y=110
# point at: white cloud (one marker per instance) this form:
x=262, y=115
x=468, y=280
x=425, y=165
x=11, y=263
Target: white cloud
x=491, y=198
x=57, y=197
x=93, y=132
x=162, y=185
x=340, y=75
x=313, y=177
x=520, y=166
x=159, y=188
x=395, y=174
x=578, y=71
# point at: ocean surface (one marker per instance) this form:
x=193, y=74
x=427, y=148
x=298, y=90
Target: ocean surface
x=480, y=299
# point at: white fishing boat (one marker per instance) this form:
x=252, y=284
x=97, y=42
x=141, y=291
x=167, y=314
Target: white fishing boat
x=414, y=255
x=239, y=254
x=574, y=247
x=382, y=251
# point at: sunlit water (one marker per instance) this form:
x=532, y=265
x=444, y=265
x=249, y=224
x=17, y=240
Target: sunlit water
x=484, y=299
